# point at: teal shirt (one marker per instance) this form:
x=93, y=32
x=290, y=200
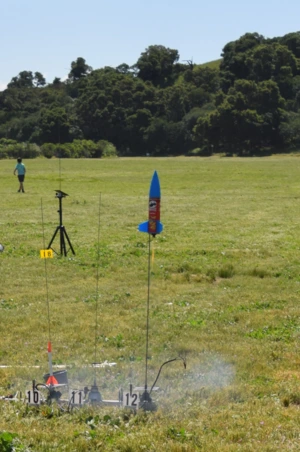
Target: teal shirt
x=20, y=167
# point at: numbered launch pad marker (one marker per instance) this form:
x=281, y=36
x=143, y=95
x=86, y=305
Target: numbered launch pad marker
x=46, y=254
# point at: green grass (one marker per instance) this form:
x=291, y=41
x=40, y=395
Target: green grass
x=224, y=295
x=215, y=64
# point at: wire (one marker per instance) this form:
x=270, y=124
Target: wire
x=167, y=362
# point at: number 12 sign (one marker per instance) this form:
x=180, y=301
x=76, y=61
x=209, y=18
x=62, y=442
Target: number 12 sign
x=131, y=400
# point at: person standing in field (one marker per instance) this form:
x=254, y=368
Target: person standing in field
x=21, y=170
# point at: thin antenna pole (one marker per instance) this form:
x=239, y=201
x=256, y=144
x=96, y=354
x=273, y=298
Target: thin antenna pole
x=97, y=282
x=46, y=276
x=59, y=157
x=147, y=316
x=59, y=170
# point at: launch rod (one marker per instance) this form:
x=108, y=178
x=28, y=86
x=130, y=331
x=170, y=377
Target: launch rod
x=50, y=359
x=46, y=277
x=51, y=380
x=97, y=282
x=147, y=316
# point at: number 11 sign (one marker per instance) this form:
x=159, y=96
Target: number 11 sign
x=76, y=397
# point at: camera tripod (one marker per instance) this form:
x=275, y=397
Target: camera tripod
x=62, y=231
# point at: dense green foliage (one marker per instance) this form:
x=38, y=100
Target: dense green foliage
x=257, y=107
x=248, y=104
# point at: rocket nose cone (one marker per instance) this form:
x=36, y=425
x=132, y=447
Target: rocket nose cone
x=154, y=186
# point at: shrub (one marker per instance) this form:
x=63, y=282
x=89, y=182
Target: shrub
x=48, y=150
x=109, y=150
x=104, y=148
x=14, y=149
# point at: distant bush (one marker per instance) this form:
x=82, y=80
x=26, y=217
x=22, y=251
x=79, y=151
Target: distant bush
x=80, y=149
x=14, y=149
x=76, y=149
x=108, y=149
x=205, y=151
x=194, y=152
x=48, y=150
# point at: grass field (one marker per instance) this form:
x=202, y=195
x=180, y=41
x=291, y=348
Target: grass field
x=224, y=295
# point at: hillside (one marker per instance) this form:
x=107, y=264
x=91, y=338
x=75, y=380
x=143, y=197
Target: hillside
x=215, y=64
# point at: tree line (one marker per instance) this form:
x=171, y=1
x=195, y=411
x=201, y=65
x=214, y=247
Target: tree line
x=249, y=105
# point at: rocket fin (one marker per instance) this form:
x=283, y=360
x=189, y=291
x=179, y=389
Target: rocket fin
x=159, y=227
x=143, y=227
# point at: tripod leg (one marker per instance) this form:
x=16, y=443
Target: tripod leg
x=69, y=242
x=63, y=250
x=53, y=237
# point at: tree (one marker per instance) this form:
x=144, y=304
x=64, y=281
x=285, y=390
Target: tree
x=267, y=60
x=289, y=131
x=292, y=42
x=246, y=121
x=39, y=79
x=123, y=68
x=54, y=125
x=115, y=107
x=261, y=63
x=176, y=102
x=79, y=69
x=234, y=55
x=156, y=64
x=203, y=77
x=23, y=80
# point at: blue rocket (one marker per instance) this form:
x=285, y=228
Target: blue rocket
x=153, y=226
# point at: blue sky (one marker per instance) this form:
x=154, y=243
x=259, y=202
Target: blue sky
x=47, y=36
